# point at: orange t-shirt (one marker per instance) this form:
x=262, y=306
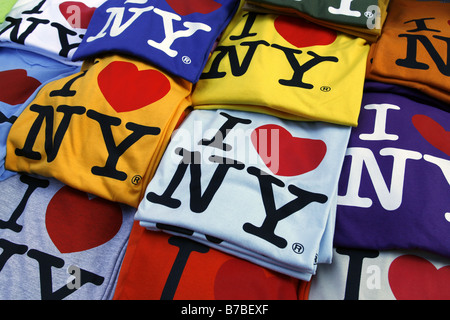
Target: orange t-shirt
x=414, y=48
x=102, y=130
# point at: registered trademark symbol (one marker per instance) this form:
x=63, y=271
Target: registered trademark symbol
x=186, y=60
x=298, y=248
x=136, y=179
x=325, y=88
x=368, y=14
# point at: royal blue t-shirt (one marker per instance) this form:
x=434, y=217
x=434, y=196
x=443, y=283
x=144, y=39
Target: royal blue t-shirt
x=176, y=36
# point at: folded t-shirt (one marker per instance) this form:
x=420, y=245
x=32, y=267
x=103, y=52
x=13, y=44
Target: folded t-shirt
x=414, y=47
x=58, y=242
x=50, y=27
x=177, y=36
x=22, y=73
x=287, y=67
x=102, y=130
x=162, y=266
x=257, y=184
x=363, y=18
x=394, y=189
x=359, y=274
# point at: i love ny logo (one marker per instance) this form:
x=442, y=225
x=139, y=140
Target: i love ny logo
x=296, y=33
x=16, y=86
x=174, y=35
x=276, y=162
x=124, y=104
x=62, y=29
x=55, y=234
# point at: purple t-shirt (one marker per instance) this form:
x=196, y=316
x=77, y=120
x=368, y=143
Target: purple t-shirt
x=394, y=190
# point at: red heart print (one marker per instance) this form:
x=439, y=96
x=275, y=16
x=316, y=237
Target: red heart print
x=77, y=14
x=77, y=223
x=284, y=154
x=127, y=89
x=302, y=33
x=186, y=7
x=433, y=132
x=16, y=86
x=415, y=278
x=241, y=280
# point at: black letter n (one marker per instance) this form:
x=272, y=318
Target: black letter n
x=52, y=142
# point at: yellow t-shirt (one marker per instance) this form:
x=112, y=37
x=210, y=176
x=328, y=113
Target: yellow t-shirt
x=102, y=130
x=287, y=67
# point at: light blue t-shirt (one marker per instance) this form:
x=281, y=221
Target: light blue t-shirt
x=253, y=185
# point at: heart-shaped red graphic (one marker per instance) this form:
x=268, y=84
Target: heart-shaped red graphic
x=77, y=223
x=240, y=280
x=302, y=33
x=77, y=14
x=433, y=132
x=415, y=278
x=186, y=7
x=126, y=88
x=16, y=86
x=284, y=154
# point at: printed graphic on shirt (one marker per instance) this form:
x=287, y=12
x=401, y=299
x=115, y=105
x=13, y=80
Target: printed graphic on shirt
x=396, y=174
x=176, y=36
x=232, y=156
x=22, y=72
x=181, y=274
x=295, y=156
x=70, y=228
x=359, y=274
x=310, y=69
x=16, y=86
x=358, y=14
x=99, y=121
x=54, y=239
x=50, y=27
x=77, y=14
x=413, y=51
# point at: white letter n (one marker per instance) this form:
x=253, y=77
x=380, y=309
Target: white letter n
x=390, y=198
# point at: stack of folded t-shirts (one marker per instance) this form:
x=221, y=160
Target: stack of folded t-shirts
x=287, y=67
x=414, y=49
x=363, y=18
x=176, y=36
x=101, y=130
x=394, y=189
x=53, y=28
x=58, y=242
x=22, y=73
x=253, y=185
